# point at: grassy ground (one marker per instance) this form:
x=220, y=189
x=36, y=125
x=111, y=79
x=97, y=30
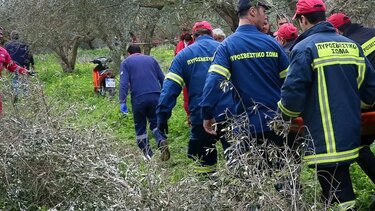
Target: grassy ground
x=76, y=90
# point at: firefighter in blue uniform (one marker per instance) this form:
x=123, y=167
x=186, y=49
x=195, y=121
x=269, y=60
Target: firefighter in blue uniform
x=256, y=65
x=190, y=68
x=366, y=38
x=327, y=78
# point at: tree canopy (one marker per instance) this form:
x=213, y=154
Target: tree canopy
x=60, y=26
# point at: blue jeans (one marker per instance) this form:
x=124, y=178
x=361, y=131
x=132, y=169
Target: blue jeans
x=19, y=87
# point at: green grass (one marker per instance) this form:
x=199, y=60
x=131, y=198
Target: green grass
x=76, y=89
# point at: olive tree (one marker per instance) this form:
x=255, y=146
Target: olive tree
x=58, y=26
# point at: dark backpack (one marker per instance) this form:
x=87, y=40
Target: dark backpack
x=19, y=52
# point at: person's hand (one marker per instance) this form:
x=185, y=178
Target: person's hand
x=124, y=109
x=30, y=72
x=163, y=127
x=209, y=126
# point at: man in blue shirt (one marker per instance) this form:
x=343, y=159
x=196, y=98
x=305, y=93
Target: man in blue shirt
x=190, y=68
x=144, y=76
x=20, y=53
x=256, y=65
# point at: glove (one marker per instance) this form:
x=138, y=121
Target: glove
x=123, y=108
x=30, y=72
x=163, y=127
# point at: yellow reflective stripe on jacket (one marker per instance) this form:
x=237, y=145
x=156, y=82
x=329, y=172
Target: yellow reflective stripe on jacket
x=369, y=46
x=346, y=205
x=325, y=112
x=220, y=70
x=332, y=60
x=332, y=157
x=176, y=78
x=361, y=74
x=283, y=73
x=337, y=49
x=365, y=105
x=287, y=111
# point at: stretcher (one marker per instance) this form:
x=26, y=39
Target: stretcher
x=367, y=124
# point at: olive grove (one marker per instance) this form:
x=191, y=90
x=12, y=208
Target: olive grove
x=60, y=26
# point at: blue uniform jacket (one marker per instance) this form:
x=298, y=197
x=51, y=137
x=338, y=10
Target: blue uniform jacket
x=190, y=68
x=256, y=65
x=144, y=76
x=327, y=78
x=365, y=37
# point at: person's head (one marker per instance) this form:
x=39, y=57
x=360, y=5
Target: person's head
x=202, y=28
x=14, y=35
x=281, y=19
x=309, y=13
x=184, y=31
x=266, y=26
x=340, y=21
x=187, y=37
x=133, y=48
x=252, y=12
x=218, y=34
x=286, y=33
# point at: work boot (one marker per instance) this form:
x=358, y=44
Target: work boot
x=165, y=154
x=147, y=153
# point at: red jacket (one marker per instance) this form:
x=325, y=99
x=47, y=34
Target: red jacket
x=181, y=45
x=7, y=63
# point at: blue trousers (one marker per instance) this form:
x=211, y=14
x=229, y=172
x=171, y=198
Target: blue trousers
x=144, y=109
x=202, y=146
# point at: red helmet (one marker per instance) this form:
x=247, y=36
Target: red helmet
x=287, y=31
x=309, y=6
x=201, y=25
x=338, y=19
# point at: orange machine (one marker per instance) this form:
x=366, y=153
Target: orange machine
x=368, y=124
x=102, y=77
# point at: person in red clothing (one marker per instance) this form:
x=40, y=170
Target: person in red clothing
x=7, y=63
x=185, y=40
x=286, y=35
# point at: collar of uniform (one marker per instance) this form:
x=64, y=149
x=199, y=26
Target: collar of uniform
x=323, y=26
x=135, y=54
x=247, y=28
x=352, y=28
x=203, y=37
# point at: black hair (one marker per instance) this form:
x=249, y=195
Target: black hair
x=202, y=32
x=14, y=35
x=343, y=27
x=243, y=12
x=134, y=48
x=314, y=17
x=187, y=37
